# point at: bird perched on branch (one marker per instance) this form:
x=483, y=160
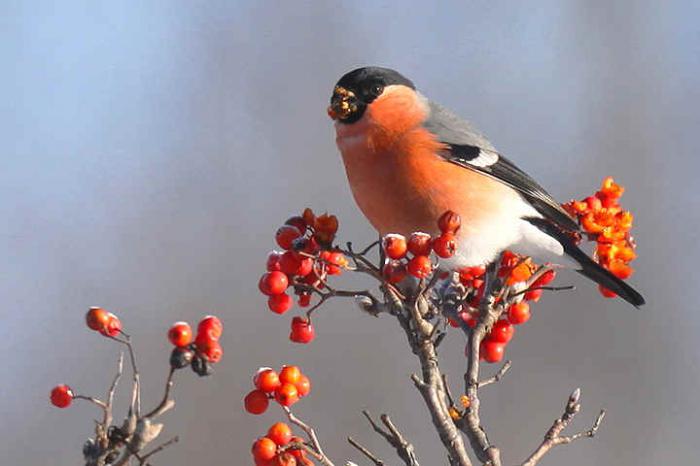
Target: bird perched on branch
x=408, y=160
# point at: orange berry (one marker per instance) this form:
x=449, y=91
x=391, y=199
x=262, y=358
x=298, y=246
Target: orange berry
x=266, y=380
x=519, y=313
x=395, y=246
x=449, y=222
x=502, y=331
x=445, y=245
x=210, y=327
x=113, y=327
x=420, y=266
x=287, y=394
x=285, y=459
x=302, y=330
x=280, y=303
x=620, y=269
x=533, y=295
x=290, y=374
x=492, y=351
x=280, y=433
x=264, y=449
x=97, y=318
x=519, y=273
x=180, y=334
x=419, y=244
x=256, y=402
x=210, y=349
x=303, y=386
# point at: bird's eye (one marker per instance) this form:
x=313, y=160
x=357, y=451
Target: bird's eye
x=376, y=90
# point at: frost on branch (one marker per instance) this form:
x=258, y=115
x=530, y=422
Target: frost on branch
x=129, y=442
x=485, y=303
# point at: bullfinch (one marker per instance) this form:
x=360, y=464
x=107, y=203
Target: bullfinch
x=408, y=160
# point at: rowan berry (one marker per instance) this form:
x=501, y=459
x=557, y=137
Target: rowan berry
x=298, y=222
x=62, y=396
x=287, y=394
x=280, y=433
x=209, y=349
x=519, y=313
x=285, y=235
x=502, y=331
x=491, y=350
x=302, y=330
x=606, y=292
x=256, y=402
x=113, y=327
x=304, y=300
x=264, y=449
x=180, y=334
x=303, y=386
x=419, y=244
x=273, y=283
x=266, y=380
x=420, y=266
x=273, y=261
x=210, y=327
x=290, y=374
x=395, y=246
x=394, y=271
x=280, y=303
x=445, y=245
x=97, y=318
x=449, y=222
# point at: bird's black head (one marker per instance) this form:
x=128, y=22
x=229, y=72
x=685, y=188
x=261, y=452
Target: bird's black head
x=358, y=88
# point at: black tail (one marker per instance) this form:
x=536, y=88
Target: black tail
x=589, y=268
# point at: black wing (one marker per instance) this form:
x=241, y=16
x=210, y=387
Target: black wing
x=469, y=149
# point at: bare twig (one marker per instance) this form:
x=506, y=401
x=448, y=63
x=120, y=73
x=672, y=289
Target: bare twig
x=311, y=433
x=371, y=456
x=158, y=449
x=553, y=436
x=497, y=376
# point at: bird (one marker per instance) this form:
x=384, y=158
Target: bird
x=408, y=160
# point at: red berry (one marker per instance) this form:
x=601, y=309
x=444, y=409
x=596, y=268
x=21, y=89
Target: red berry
x=266, y=380
x=264, y=449
x=470, y=318
x=280, y=433
x=395, y=246
x=519, y=313
x=273, y=283
x=114, y=326
x=502, y=331
x=606, y=292
x=533, y=295
x=335, y=260
x=97, y=318
x=211, y=327
x=491, y=350
x=285, y=235
x=303, y=386
x=180, y=334
x=420, y=266
x=297, y=452
x=298, y=222
x=304, y=300
x=302, y=330
x=545, y=279
x=292, y=264
x=394, y=271
x=61, y=396
x=280, y=303
x=210, y=349
x=445, y=245
x=285, y=459
x=287, y=394
x=419, y=244
x=290, y=374
x=273, y=261
x=449, y=222
x=256, y=402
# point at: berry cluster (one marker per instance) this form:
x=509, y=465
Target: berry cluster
x=201, y=353
x=280, y=448
x=605, y=222
x=307, y=259
x=419, y=245
x=285, y=387
x=104, y=322
x=515, y=271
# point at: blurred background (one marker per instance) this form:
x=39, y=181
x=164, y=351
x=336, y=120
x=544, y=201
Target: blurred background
x=149, y=150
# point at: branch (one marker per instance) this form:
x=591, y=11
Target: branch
x=553, y=436
x=366, y=452
x=497, y=376
x=311, y=433
x=394, y=437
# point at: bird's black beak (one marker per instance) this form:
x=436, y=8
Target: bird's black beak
x=343, y=104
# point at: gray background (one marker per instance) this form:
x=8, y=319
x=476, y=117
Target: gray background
x=149, y=150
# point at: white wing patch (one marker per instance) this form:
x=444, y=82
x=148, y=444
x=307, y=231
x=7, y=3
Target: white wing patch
x=486, y=158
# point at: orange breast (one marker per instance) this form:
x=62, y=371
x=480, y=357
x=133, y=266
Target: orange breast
x=405, y=186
